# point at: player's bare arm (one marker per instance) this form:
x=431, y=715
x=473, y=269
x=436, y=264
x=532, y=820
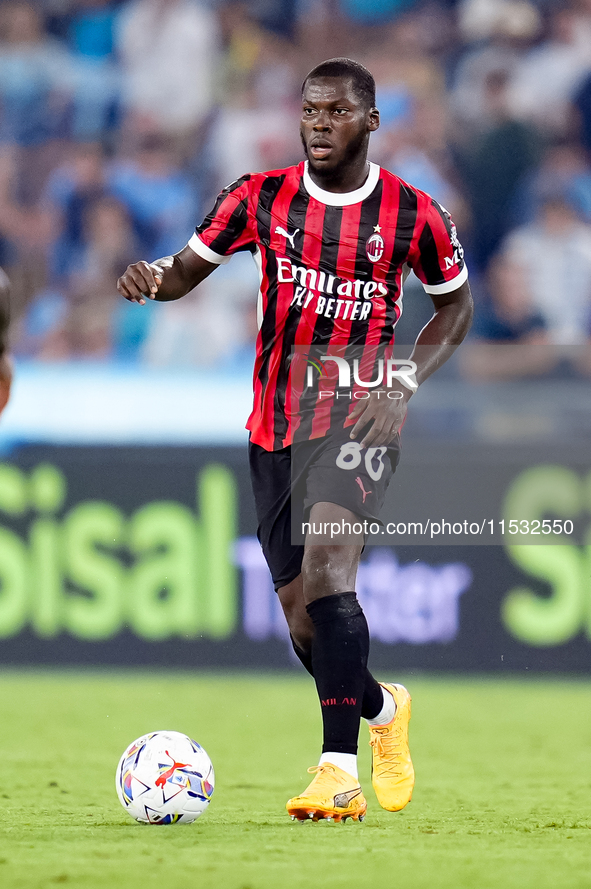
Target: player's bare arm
x=435, y=344
x=5, y=363
x=171, y=277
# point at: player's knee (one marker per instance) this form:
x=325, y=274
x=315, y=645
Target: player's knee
x=327, y=570
x=300, y=626
x=298, y=620
x=301, y=629
x=301, y=637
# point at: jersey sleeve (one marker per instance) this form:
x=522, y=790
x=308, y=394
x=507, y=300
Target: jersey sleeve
x=438, y=261
x=228, y=228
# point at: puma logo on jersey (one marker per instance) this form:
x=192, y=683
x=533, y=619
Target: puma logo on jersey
x=363, y=491
x=281, y=231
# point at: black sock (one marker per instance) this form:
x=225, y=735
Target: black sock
x=339, y=660
x=373, y=697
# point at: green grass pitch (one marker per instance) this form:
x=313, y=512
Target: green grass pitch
x=503, y=794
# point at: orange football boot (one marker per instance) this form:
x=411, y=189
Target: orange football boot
x=392, y=772
x=333, y=795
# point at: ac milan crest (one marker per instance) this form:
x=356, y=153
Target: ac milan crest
x=374, y=247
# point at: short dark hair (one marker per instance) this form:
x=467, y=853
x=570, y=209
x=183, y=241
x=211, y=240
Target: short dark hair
x=362, y=79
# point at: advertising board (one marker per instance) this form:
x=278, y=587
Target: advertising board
x=148, y=556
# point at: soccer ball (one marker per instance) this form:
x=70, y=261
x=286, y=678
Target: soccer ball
x=165, y=778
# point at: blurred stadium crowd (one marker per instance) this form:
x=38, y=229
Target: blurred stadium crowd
x=121, y=119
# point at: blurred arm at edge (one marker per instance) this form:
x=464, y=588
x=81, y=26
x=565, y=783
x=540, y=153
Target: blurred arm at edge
x=5, y=363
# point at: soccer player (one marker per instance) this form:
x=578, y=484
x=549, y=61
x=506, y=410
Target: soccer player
x=5, y=365
x=333, y=238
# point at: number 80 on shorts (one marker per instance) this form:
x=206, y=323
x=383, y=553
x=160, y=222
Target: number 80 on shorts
x=351, y=455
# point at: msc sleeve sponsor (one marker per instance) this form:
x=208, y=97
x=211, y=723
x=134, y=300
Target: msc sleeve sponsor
x=439, y=260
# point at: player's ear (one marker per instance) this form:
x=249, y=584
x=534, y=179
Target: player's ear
x=373, y=120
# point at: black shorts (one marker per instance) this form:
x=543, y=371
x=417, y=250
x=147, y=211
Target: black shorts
x=287, y=483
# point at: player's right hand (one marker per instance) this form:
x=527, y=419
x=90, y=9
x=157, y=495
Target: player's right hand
x=139, y=282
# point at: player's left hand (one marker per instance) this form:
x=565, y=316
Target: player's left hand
x=387, y=414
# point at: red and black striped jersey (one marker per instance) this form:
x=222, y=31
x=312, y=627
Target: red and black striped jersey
x=331, y=267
